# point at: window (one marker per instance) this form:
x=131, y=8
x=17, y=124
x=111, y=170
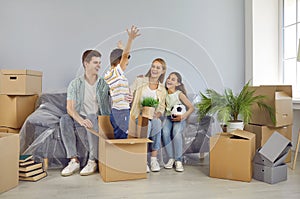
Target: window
x=291, y=34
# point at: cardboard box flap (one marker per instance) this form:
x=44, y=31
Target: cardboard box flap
x=105, y=128
x=21, y=72
x=276, y=146
x=129, y=141
x=242, y=134
x=278, y=88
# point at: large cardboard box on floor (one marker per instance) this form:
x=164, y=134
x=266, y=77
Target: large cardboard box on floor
x=263, y=133
x=280, y=98
x=231, y=155
x=20, y=82
x=15, y=109
x=9, y=156
x=120, y=159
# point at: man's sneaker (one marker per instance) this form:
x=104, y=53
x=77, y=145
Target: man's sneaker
x=170, y=164
x=179, y=166
x=72, y=167
x=89, y=168
x=148, y=170
x=154, y=165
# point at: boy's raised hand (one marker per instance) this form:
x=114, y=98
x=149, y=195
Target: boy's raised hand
x=133, y=32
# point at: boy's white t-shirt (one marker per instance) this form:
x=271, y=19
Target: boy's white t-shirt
x=119, y=87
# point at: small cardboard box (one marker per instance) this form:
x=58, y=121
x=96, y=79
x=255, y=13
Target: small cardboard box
x=274, y=151
x=15, y=109
x=280, y=98
x=263, y=133
x=120, y=159
x=270, y=175
x=231, y=155
x=20, y=82
x=9, y=130
x=9, y=156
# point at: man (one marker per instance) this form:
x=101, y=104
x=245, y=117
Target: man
x=87, y=97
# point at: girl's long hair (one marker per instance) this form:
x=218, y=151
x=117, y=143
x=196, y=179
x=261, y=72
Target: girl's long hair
x=179, y=80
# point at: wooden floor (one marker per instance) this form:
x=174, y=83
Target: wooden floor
x=193, y=183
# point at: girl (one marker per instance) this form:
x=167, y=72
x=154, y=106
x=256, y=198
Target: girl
x=173, y=124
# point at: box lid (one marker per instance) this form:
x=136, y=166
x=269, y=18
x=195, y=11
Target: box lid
x=242, y=134
x=275, y=149
x=21, y=72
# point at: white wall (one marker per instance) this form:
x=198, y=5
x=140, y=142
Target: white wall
x=204, y=40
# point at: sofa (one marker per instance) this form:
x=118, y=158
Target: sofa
x=40, y=134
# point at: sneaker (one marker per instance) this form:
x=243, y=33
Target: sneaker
x=148, y=170
x=72, y=167
x=154, y=166
x=179, y=166
x=170, y=164
x=89, y=168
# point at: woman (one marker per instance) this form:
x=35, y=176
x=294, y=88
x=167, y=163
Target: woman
x=151, y=85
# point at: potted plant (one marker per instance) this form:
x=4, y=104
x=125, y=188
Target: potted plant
x=149, y=104
x=230, y=108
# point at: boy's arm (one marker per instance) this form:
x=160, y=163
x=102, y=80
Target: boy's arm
x=132, y=34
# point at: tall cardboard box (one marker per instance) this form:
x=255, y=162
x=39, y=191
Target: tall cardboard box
x=280, y=98
x=231, y=155
x=263, y=133
x=9, y=156
x=15, y=109
x=20, y=82
x=120, y=159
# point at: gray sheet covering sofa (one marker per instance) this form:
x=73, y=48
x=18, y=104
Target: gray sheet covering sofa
x=40, y=134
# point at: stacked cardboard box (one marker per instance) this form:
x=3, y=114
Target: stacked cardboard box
x=19, y=90
x=280, y=98
x=29, y=170
x=269, y=163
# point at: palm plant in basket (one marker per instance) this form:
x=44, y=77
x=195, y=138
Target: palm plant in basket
x=231, y=108
x=149, y=104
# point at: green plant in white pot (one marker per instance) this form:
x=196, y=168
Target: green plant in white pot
x=230, y=108
x=149, y=104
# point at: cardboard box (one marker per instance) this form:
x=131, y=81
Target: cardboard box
x=15, y=109
x=9, y=130
x=270, y=175
x=9, y=156
x=231, y=155
x=120, y=159
x=20, y=82
x=263, y=133
x=274, y=151
x=280, y=98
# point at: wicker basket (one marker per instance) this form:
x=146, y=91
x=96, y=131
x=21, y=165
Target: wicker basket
x=148, y=112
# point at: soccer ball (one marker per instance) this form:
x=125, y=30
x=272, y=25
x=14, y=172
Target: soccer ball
x=178, y=109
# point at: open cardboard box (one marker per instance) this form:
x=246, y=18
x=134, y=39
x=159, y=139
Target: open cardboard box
x=231, y=155
x=280, y=98
x=120, y=159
